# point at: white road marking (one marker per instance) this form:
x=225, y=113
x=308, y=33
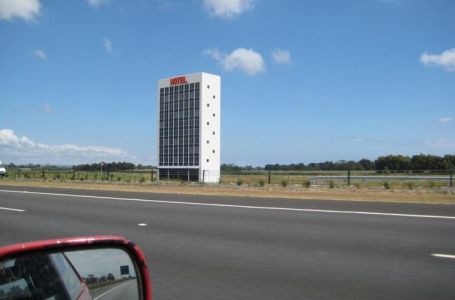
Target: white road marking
x=108, y=291
x=443, y=255
x=141, y=224
x=351, y=212
x=12, y=209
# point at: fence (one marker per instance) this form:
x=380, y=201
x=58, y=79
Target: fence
x=249, y=177
x=72, y=175
x=348, y=177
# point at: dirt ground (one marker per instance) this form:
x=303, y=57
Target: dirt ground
x=377, y=194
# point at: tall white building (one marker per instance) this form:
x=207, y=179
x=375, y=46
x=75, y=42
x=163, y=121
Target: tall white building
x=189, y=109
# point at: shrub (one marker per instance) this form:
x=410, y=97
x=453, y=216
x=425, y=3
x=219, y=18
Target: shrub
x=119, y=178
x=239, y=181
x=284, y=183
x=331, y=184
x=261, y=182
x=431, y=184
x=410, y=185
x=307, y=184
x=386, y=185
x=142, y=180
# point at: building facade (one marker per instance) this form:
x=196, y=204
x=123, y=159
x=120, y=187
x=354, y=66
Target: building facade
x=189, y=114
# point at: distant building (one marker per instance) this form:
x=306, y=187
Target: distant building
x=189, y=108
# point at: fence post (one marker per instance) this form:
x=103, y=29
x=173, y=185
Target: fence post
x=349, y=177
x=151, y=175
x=188, y=175
x=269, y=176
x=203, y=176
x=43, y=174
x=451, y=180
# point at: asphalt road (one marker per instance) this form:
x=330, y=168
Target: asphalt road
x=247, y=248
x=119, y=291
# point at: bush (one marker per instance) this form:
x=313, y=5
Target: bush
x=307, y=184
x=284, y=183
x=239, y=181
x=331, y=184
x=142, y=180
x=261, y=182
x=410, y=185
x=386, y=185
x=431, y=184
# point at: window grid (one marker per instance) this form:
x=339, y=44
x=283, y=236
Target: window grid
x=179, y=125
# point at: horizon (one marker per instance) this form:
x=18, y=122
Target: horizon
x=300, y=83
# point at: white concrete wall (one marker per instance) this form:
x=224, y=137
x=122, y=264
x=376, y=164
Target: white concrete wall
x=209, y=124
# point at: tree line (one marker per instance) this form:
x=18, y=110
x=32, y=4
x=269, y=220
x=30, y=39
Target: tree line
x=418, y=162
x=108, y=167
x=111, y=167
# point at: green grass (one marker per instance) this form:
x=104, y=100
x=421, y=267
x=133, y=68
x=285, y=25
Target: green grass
x=249, y=178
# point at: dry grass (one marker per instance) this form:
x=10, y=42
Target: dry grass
x=437, y=195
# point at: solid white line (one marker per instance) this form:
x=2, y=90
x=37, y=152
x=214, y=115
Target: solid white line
x=240, y=206
x=12, y=209
x=108, y=291
x=443, y=255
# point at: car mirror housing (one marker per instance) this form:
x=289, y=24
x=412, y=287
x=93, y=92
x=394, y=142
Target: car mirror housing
x=80, y=268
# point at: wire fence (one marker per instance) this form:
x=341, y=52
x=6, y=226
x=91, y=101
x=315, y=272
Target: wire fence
x=427, y=178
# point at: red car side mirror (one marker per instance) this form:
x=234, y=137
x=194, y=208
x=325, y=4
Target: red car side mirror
x=82, y=268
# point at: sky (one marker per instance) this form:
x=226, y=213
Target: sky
x=302, y=81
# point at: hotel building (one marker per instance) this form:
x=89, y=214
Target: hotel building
x=189, y=127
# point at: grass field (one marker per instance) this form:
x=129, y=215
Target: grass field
x=246, y=178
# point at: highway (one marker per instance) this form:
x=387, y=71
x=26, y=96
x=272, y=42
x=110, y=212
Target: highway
x=207, y=247
x=118, y=291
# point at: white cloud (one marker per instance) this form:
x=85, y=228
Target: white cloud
x=247, y=60
x=107, y=45
x=40, y=54
x=228, y=8
x=24, y=9
x=97, y=3
x=441, y=143
x=445, y=60
x=46, y=107
x=23, y=149
x=445, y=120
x=281, y=57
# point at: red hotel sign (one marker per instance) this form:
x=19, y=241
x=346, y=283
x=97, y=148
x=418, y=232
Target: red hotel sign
x=178, y=80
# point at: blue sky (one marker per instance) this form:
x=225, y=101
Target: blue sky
x=302, y=81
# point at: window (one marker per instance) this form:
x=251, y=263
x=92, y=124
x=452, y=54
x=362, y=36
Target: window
x=213, y=133
x=208, y=160
x=213, y=114
x=213, y=151
x=208, y=105
x=208, y=86
x=208, y=142
x=208, y=123
x=213, y=96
